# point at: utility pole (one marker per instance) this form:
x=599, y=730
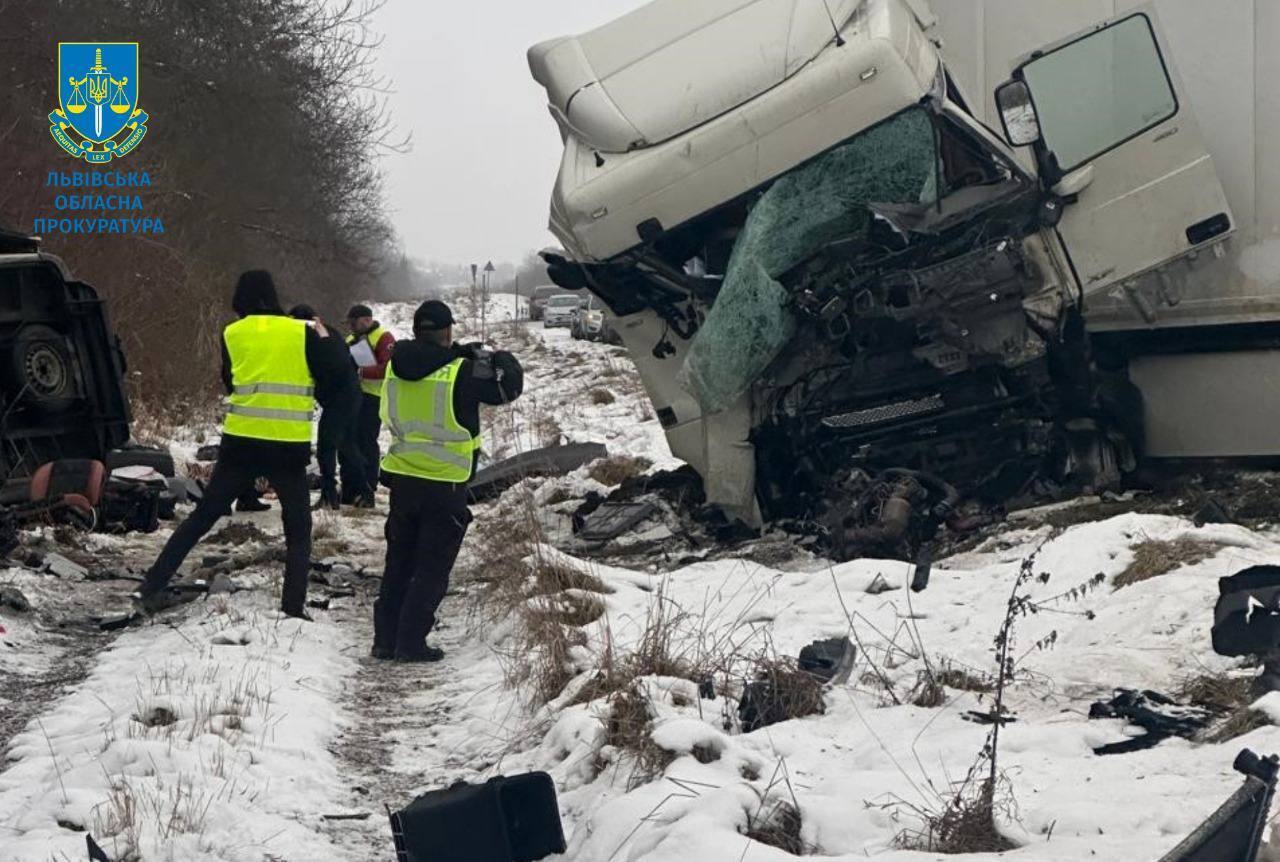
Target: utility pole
x=484, y=307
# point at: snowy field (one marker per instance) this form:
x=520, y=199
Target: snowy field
x=221, y=731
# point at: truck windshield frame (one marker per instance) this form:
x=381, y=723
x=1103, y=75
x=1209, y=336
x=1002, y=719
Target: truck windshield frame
x=1069, y=83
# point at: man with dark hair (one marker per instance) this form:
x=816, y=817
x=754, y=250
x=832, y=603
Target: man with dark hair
x=431, y=403
x=339, y=401
x=270, y=368
x=371, y=347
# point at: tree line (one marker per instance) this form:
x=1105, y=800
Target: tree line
x=267, y=123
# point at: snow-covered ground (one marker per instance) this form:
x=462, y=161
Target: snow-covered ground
x=222, y=732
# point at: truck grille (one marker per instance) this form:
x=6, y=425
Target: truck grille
x=885, y=413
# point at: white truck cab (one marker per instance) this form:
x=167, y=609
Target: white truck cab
x=828, y=268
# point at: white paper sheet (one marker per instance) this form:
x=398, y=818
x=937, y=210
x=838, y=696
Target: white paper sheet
x=362, y=353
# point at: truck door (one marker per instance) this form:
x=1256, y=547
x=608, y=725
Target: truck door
x=1116, y=139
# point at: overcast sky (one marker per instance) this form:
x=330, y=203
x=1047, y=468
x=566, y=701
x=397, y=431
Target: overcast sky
x=485, y=151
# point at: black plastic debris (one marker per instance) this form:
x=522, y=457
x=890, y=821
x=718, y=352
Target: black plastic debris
x=506, y=819
x=829, y=660
x=141, y=456
x=1246, y=618
x=550, y=461
x=613, y=519
x=1234, y=831
x=1158, y=714
x=96, y=853
x=989, y=717
x=14, y=599
x=1212, y=511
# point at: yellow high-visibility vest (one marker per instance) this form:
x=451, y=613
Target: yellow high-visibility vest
x=272, y=391
x=369, y=387
x=427, y=440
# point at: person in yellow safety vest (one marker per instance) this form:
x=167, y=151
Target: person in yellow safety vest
x=431, y=404
x=270, y=370
x=371, y=347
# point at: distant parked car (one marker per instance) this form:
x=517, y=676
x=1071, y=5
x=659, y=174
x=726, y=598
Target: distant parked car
x=588, y=321
x=559, y=309
x=538, y=300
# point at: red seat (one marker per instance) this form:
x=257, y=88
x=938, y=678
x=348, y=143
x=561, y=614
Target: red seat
x=64, y=491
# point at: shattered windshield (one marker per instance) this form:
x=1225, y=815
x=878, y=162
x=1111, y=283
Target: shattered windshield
x=826, y=198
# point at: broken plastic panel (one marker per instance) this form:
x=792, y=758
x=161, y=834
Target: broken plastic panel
x=804, y=210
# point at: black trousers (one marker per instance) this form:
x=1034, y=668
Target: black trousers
x=425, y=528
x=230, y=479
x=336, y=441
x=368, y=426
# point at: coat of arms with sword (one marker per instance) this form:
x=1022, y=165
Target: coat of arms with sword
x=98, y=118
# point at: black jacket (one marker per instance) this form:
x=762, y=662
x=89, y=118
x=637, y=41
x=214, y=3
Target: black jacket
x=330, y=377
x=495, y=379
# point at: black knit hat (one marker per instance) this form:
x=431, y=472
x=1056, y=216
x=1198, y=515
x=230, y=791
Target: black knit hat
x=359, y=310
x=433, y=315
x=302, y=311
x=255, y=294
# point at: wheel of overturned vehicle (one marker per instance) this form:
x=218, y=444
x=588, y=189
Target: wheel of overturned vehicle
x=43, y=368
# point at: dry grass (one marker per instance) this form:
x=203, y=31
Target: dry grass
x=1238, y=723
x=617, y=469
x=1153, y=558
x=628, y=726
x=777, y=825
x=928, y=692
x=553, y=577
x=1222, y=692
x=602, y=397
x=549, y=601
x=960, y=679
x=965, y=825
x=779, y=692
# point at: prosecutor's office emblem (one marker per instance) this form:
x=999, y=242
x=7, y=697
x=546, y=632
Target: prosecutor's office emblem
x=98, y=117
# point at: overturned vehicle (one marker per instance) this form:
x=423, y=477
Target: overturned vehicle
x=852, y=303
x=65, y=455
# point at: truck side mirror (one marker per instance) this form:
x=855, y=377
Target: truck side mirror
x=1018, y=113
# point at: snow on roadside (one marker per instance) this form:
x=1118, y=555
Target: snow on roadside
x=846, y=768
x=201, y=737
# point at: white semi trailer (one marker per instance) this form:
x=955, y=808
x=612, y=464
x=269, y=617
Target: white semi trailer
x=850, y=297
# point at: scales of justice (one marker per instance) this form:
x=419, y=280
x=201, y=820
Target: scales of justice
x=102, y=90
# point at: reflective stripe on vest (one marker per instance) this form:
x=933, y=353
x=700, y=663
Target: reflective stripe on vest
x=272, y=392
x=427, y=440
x=369, y=387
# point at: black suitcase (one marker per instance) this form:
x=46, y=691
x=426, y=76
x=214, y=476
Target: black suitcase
x=506, y=819
x=1246, y=619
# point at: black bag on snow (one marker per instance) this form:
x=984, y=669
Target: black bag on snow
x=1246, y=619
x=130, y=506
x=506, y=819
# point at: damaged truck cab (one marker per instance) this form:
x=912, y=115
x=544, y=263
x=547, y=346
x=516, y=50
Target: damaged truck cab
x=847, y=297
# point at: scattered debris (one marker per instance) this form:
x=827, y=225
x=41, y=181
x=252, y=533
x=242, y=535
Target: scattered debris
x=549, y=461
x=613, y=519
x=239, y=533
x=59, y=566
x=14, y=599
x=1158, y=714
x=504, y=819
x=829, y=661
x=879, y=585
